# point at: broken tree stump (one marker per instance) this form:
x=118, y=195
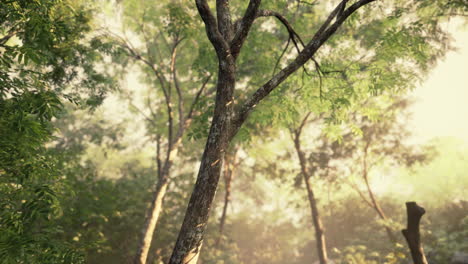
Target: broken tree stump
x=411, y=233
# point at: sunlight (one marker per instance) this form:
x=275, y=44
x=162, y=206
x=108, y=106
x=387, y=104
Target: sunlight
x=441, y=106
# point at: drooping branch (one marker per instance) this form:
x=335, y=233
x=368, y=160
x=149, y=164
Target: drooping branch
x=281, y=56
x=411, y=233
x=292, y=33
x=294, y=37
x=322, y=35
x=243, y=28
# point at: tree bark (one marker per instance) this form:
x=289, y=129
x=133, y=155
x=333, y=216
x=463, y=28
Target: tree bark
x=316, y=221
x=411, y=233
x=319, y=230
x=189, y=241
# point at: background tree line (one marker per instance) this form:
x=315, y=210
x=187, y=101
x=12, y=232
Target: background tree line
x=306, y=107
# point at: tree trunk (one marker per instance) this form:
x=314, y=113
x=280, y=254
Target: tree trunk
x=318, y=226
x=152, y=216
x=190, y=239
x=227, y=198
x=319, y=230
x=411, y=233
x=228, y=42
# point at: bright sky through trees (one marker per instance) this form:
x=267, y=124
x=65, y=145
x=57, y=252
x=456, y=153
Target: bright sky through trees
x=441, y=109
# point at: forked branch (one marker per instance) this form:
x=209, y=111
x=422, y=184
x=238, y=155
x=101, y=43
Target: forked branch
x=219, y=43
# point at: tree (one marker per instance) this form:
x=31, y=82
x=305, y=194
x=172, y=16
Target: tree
x=369, y=142
x=307, y=173
x=411, y=232
x=44, y=50
x=228, y=36
x=231, y=162
x=383, y=142
x=227, y=42
x=164, y=57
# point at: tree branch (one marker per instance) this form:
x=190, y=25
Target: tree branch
x=217, y=40
x=322, y=35
x=296, y=39
x=166, y=90
x=180, y=99
x=292, y=33
x=224, y=19
x=158, y=155
x=244, y=26
x=301, y=126
x=281, y=56
x=197, y=97
x=11, y=32
x=338, y=9
x=137, y=56
x=363, y=197
x=5, y=39
x=140, y=111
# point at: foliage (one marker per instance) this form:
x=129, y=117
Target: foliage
x=42, y=50
x=360, y=255
x=29, y=183
x=42, y=55
x=444, y=242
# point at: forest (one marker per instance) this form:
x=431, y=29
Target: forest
x=228, y=132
